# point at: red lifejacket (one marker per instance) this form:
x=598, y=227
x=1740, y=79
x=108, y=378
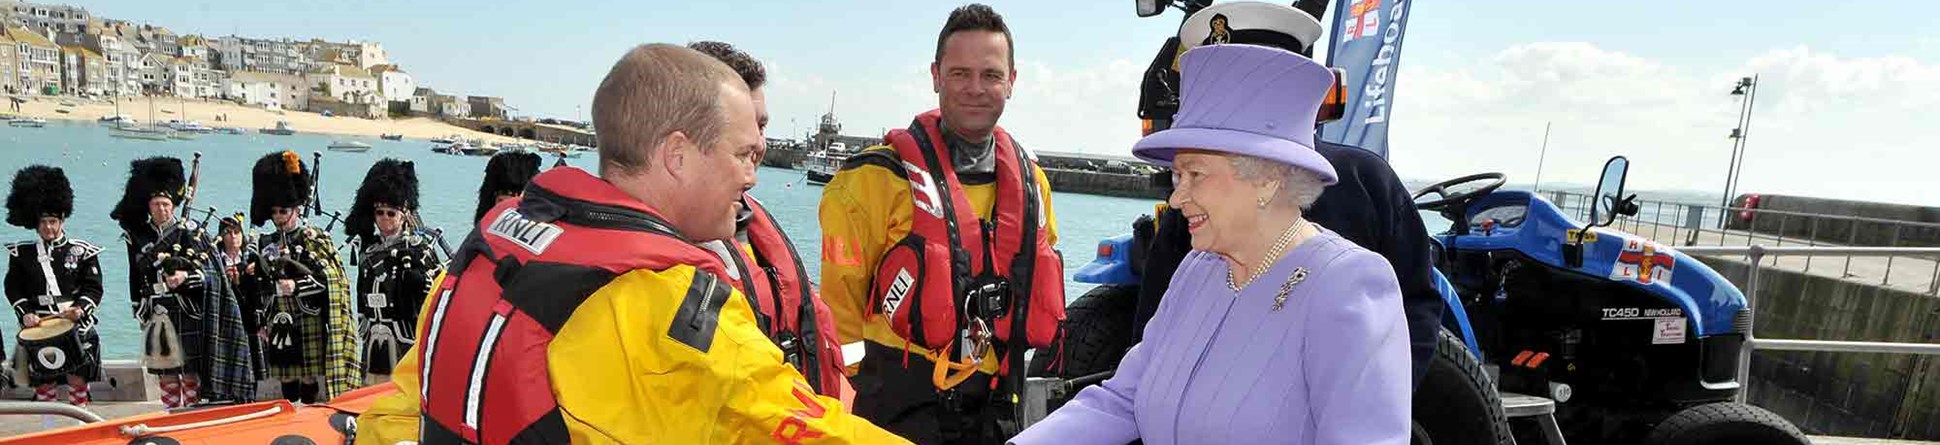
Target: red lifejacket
x=515, y=281
x=789, y=311
x=1001, y=271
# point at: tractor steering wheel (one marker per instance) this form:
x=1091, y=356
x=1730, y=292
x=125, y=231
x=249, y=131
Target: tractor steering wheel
x=1450, y=205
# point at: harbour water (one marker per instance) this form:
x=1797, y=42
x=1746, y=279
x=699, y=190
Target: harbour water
x=97, y=165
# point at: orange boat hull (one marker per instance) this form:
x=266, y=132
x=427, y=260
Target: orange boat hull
x=261, y=422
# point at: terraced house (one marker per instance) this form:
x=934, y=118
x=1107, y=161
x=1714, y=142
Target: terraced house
x=84, y=71
x=115, y=43
x=37, y=62
x=61, y=19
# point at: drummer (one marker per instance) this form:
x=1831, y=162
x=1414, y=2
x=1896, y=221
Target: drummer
x=54, y=283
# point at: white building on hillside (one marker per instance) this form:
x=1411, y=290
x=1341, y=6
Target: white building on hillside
x=269, y=90
x=347, y=84
x=393, y=83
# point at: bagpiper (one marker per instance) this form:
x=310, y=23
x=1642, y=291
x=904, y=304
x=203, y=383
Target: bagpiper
x=192, y=332
x=311, y=343
x=54, y=283
x=236, y=256
x=398, y=264
x=505, y=178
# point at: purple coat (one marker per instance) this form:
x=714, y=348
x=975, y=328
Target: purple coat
x=1329, y=367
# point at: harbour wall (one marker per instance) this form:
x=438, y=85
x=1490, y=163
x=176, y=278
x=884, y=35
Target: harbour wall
x=1843, y=232
x=1839, y=393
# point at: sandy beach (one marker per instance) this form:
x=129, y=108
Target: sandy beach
x=248, y=118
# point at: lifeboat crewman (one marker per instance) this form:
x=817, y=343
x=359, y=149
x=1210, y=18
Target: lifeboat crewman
x=766, y=266
x=937, y=252
x=582, y=312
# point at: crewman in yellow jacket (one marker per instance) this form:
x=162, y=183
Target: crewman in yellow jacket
x=583, y=312
x=940, y=217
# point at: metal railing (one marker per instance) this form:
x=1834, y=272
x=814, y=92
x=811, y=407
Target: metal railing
x=1756, y=255
x=1695, y=224
x=49, y=408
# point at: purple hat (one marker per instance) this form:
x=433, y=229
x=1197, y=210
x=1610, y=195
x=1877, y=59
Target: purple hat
x=1250, y=100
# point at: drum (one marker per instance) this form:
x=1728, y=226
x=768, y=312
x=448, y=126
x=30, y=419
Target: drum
x=53, y=349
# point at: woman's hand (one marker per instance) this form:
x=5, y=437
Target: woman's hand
x=72, y=313
x=30, y=320
x=175, y=279
x=285, y=287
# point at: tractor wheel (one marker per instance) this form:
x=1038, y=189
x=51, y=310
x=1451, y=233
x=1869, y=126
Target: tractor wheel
x=1097, y=332
x=1457, y=402
x=1726, y=422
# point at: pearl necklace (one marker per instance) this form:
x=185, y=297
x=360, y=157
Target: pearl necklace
x=1266, y=262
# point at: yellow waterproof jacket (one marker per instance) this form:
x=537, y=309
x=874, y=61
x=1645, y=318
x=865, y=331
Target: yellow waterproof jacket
x=866, y=209
x=621, y=374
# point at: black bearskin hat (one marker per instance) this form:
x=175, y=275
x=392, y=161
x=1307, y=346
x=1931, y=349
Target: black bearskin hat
x=148, y=178
x=281, y=180
x=38, y=191
x=507, y=172
x=390, y=182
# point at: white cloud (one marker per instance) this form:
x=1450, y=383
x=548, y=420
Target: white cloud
x=1824, y=125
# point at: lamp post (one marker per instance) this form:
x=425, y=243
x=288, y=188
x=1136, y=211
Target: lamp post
x=1540, y=156
x=1748, y=88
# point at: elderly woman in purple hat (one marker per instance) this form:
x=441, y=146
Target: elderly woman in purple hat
x=1274, y=330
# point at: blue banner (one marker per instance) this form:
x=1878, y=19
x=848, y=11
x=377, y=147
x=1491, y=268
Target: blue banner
x=1367, y=45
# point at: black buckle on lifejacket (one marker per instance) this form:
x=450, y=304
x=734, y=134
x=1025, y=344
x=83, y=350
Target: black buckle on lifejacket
x=791, y=349
x=988, y=297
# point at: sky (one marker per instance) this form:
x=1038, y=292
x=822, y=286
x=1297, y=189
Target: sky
x=1843, y=107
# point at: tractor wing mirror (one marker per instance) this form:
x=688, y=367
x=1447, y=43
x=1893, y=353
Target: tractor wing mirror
x=1610, y=201
x=1149, y=8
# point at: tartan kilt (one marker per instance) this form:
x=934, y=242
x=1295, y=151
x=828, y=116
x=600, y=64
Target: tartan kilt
x=187, y=342
x=310, y=332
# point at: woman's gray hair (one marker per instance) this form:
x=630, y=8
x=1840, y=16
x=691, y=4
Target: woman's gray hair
x=1298, y=186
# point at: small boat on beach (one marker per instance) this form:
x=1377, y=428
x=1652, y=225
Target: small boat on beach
x=117, y=119
x=445, y=140
x=27, y=122
x=349, y=146
x=391, y=137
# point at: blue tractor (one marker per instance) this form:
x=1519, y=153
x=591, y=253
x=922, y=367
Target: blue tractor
x=1583, y=333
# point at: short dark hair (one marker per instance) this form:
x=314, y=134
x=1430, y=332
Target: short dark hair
x=742, y=63
x=976, y=17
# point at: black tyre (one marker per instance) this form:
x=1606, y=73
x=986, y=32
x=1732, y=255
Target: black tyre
x=1097, y=332
x=1726, y=422
x=1457, y=403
